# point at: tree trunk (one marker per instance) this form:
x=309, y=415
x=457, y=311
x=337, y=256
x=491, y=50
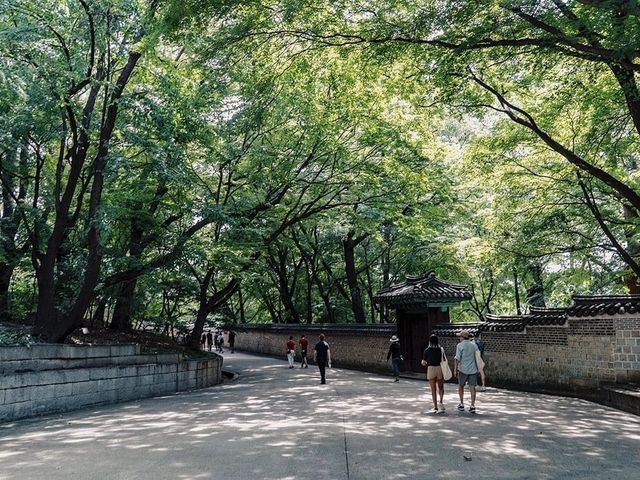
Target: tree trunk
x=209, y=305
x=349, y=244
x=516, y=290
x=121, y=320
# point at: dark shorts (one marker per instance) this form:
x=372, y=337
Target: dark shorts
x=471, y=379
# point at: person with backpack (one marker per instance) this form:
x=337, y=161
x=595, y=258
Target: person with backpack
x=432, y=357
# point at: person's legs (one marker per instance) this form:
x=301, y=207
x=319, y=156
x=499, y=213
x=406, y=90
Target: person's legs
x=473, y=382
x=395, y=362
x=290, y=358
x=441, y=388
x=434, y=396
x=462, y=379
x=322, y=366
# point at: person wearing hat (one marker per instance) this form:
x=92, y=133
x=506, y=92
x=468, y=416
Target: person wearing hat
x=466, y=369
x=322, y=357
x=395, y=356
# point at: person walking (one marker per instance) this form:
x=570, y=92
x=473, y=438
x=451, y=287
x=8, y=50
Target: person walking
x=209, y=340
x=291, y=351
x=466, y=369
x=304, y=345
x=220, y=342
x=432, y=357
x=203, y=341
x=322, y=357
x=395, y=356
x=232, y=341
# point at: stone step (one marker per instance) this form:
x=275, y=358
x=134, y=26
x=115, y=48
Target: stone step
x=623, y=396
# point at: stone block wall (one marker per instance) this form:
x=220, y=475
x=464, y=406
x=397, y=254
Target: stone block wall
x=46, y=379
x=584, y=353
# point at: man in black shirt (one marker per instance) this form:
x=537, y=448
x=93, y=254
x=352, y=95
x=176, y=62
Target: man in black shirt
x=322, y=357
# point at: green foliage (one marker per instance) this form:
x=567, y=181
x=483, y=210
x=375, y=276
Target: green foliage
x=255, y=137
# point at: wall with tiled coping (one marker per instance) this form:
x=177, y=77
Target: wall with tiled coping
x=582, y=354
x=44, y=379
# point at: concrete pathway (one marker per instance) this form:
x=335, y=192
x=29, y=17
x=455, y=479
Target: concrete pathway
x=279, y=423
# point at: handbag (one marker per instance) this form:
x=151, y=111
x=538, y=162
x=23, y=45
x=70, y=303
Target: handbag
x=479, y=361
x=444, y=365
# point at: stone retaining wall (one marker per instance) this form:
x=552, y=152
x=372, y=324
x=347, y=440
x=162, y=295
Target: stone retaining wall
x=46, y=379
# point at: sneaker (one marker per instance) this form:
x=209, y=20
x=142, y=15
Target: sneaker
x=441, y=407
x=440, y=410
x=461, y=407
x=482, y=389
x=396, y=380
x=433, y=410
x=472, y=409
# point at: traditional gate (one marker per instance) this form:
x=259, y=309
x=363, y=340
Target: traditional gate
x=421, y=303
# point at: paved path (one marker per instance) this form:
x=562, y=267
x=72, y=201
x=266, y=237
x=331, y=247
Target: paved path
x=280, y=424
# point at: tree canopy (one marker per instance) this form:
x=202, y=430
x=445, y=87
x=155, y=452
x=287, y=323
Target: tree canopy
x=168, y=164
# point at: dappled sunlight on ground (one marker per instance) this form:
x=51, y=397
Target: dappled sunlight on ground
x=278, y=423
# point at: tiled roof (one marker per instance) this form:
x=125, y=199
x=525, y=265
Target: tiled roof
x=583, y=306
x=317, y=328
x=422, y=290
x=507, y=323
x=591, y=305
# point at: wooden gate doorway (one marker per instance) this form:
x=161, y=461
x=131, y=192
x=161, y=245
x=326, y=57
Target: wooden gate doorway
x=421, y=303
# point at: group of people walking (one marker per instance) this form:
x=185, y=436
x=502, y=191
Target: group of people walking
x=210, y=340
x=321, y=354
x=468, y=365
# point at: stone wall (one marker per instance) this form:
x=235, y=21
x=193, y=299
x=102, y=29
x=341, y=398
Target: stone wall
x=358, y=347
x=46, y=379
x=581, y=354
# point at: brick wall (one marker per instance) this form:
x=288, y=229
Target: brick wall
x=54, y=378
x=582, y=354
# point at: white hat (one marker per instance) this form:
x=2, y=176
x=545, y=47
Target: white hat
x=394, y=339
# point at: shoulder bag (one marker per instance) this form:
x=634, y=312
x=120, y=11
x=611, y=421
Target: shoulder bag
x=444, y=365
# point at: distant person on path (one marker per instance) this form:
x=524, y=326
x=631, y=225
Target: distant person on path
x=395, y=356
x=304, y=345
x=232, y=341
x=291, y=351
x=220, y=342
x=209, y=340
x=466, y=369
x=432, y=357
x=322, y=356
x=203, y=341
x=480, y=344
